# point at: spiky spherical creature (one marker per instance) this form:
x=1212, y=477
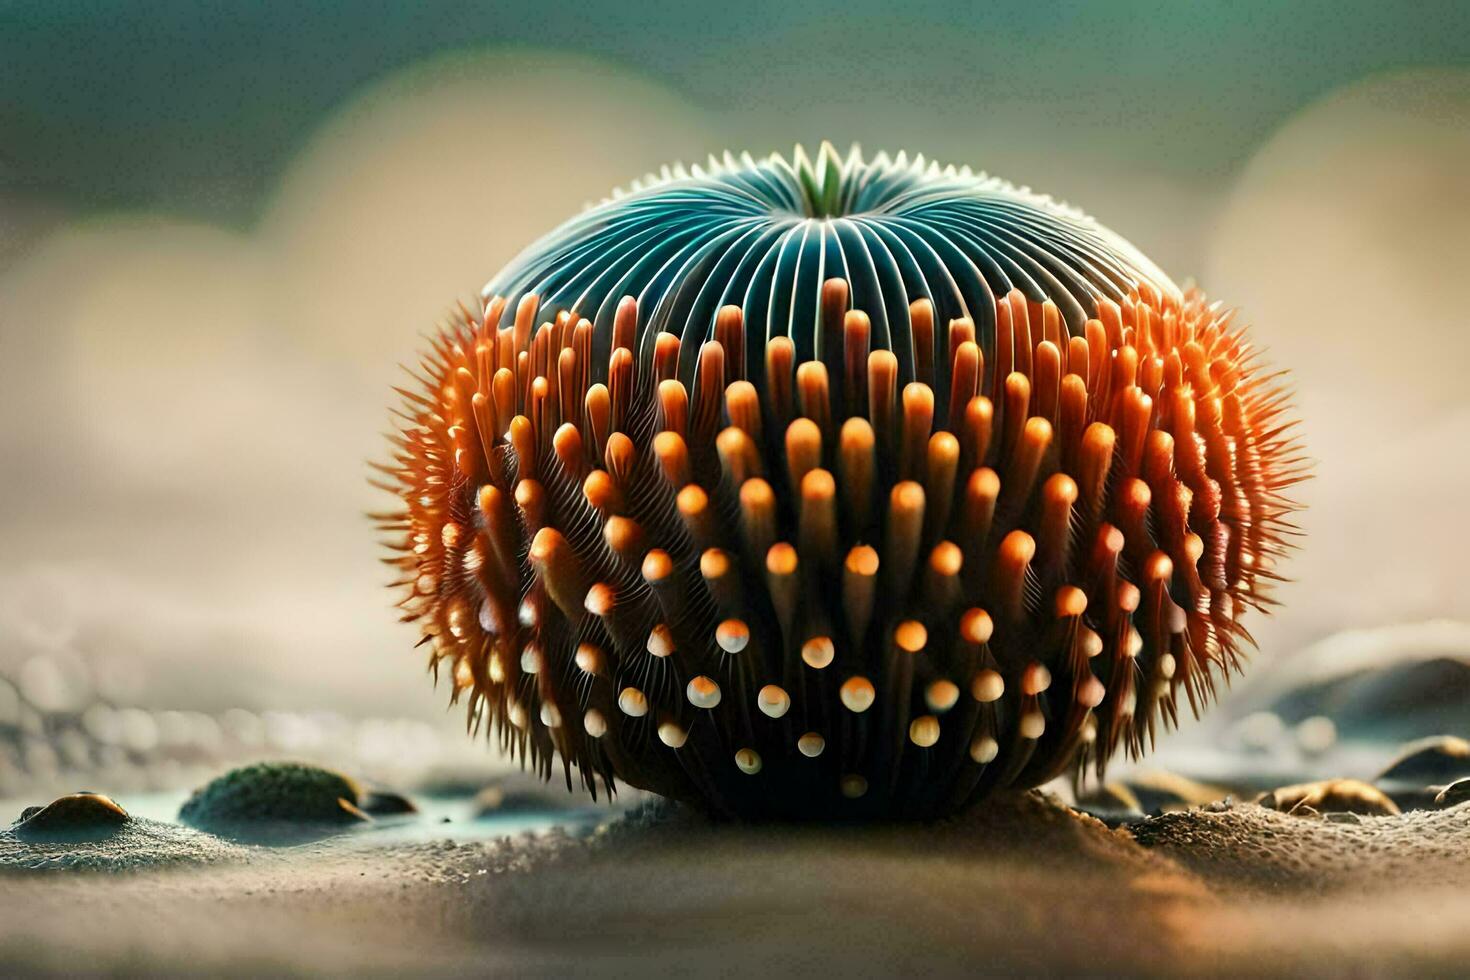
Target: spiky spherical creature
x=842, y=488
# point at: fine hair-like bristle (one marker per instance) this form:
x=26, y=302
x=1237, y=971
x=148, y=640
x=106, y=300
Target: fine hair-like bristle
x=806, y=576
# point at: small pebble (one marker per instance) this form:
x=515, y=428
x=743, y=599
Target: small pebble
x=1415, y=778
x=386, y=803
x=80, y=816
x=275, y=802
x=1330, y=796
x=1453, y=795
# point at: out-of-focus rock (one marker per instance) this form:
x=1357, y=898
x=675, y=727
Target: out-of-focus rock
x=1453, y=795
x=276, y=801
x=1423, y=768
x=76, y=817
x=378, y=802
x=1385, y=685
x=1330, y=796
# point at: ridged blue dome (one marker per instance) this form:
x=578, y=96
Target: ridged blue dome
x=764, y=235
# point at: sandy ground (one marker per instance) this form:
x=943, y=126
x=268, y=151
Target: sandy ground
x=1021, y=886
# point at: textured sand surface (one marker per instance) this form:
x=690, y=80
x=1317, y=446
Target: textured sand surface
x=1271, y=850
x=138, y=845
x=1021, y=886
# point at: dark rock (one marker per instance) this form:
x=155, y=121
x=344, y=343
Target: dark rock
x=274, y=802
x=1430, y=759
x=1415, y=778
x=1386, y=686
x=385, y=803
x=1453, y=795
x=78, y=817
x=1330, y=796
x=1396, y=701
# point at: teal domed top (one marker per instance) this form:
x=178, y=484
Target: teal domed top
x=764, y=235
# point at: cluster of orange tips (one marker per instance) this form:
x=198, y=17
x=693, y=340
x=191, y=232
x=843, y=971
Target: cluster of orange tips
x=832, y=567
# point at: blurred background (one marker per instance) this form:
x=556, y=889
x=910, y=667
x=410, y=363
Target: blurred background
x=223, y=226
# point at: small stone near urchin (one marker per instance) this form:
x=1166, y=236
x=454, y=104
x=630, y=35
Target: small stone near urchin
x=1423, y=768
x=379, y=802
x=1438, y=759
x=1330, y=796
x=905, y=442
x=272, y=801
x=76, y=817
x=1453, y=795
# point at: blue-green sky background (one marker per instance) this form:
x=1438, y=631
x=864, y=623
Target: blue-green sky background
x=223, y=225
x=198, y=107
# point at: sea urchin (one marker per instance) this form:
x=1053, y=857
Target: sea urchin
x=836, y=488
